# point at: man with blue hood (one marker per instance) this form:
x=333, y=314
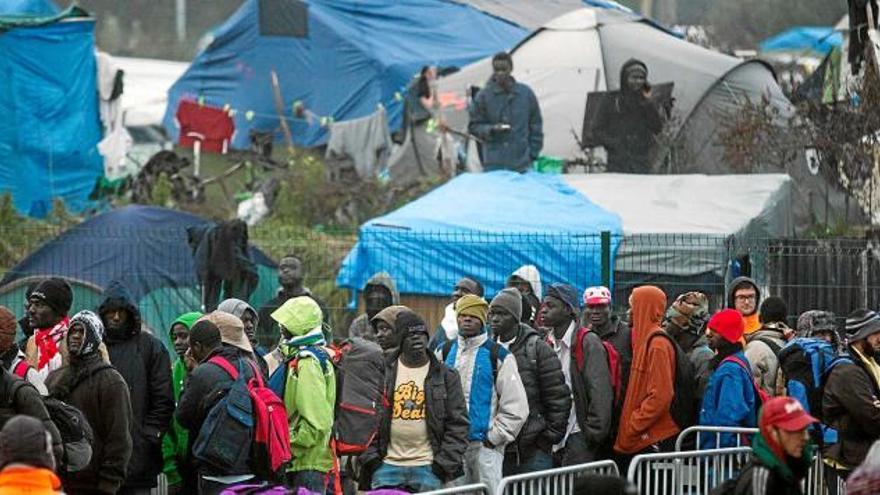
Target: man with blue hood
x=143, y=362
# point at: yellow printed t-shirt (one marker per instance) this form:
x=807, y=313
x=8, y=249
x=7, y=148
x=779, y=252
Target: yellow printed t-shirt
x=409, y=445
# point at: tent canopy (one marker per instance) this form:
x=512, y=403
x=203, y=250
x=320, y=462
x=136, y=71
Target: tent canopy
x=486, y=226
x=804, y=39
x=147, y=82
x=28, y=8
x=337, y=57
x=144, y=247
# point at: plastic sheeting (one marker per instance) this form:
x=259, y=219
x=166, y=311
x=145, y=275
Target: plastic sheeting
x=486, y=226
x=354, y=56
x=804, y=40
x=49, y=128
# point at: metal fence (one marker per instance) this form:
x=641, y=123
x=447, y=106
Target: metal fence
x=475, y=489
x=692, y=472
x=554, y=481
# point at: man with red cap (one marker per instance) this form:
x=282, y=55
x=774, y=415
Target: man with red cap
x=781, y=451
x=731, y=398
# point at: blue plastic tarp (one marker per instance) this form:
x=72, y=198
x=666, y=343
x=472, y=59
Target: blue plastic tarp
x=49, y=125
x=355, y=56
x=28, y=8
x=486, y=226
x=820, y=40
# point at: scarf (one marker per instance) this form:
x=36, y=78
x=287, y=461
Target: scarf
x=47, y=341
x=727, y=349
x=772, y=456
x=303, y=345
x=871, y=366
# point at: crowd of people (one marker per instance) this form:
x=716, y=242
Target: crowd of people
x=535, y=378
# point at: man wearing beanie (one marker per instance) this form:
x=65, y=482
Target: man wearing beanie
x=496, y=400
x=763, y=346
x=12, y=357
x=27, y=465
x=423, y=427
x=48, y=306
x=541, y=374
x=781, y=452
x=589, y=430
x=851, y=403
x=731, y=397
x=448, y=329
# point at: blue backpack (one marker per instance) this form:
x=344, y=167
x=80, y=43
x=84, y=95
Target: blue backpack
x=806, y=364
x=278, y=379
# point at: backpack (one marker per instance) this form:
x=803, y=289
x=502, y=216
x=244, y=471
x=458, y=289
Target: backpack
x=77, y=436
x=494, y=355
x=360, y=387
x=806, y=363
x=614, y=363
x=278, y=378
x=249, y=419
x=761, y=395
x=685, y=408
x=774, y=347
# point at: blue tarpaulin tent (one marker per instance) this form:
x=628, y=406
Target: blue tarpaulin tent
x=49, y=127
x=486, y=226
x=145, y=248
x=819, y=40
x=339, y=58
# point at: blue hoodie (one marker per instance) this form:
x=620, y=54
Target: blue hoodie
x=730, y=400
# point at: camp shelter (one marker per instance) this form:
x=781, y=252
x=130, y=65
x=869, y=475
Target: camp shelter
x=803, y=40
x=145, y=248
x=338, y=58
x=49, y=127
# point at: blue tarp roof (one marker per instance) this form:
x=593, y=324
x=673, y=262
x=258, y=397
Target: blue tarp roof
x=355, y=55
x=28, y=7
x=486, y=226
x=49, y=126
x=820, y=40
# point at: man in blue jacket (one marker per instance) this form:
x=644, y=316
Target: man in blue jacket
x=731, y=396
x=506, y=117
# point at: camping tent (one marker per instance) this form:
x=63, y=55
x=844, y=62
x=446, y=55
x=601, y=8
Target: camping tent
x=486, y=226
x=145, y=248
x=49, y=128
x=597, y=43
x=337, y=57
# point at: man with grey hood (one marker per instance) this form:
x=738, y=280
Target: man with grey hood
x=379, y=293
x=250, y=320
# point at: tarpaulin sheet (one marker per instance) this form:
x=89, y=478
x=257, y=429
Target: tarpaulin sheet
x=816, y=39
x=49, y=127
x=486, y=226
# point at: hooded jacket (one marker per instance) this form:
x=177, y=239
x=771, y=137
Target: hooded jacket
x=516, y=148
x=361, y=327
x=101, y=393
x=446, y=415
x=548, y=396
x=752, y=321
x=143, y=362
x=18, y=479
x=646, y=417
x=729, y=400
x=851, y=405
x=389, y=316
x=698, y=352
x=267, y=333
x=174, y=443
x=765, y=363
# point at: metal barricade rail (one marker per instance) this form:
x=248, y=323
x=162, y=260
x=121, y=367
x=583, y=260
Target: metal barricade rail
x=701, y=432
x=475, y=489
x=694, y=472
x=554, y=481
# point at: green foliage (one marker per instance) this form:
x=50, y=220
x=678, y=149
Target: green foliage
x=19, y=235
x=162, y=192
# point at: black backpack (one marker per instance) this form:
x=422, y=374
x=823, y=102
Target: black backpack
x=76, y=433
x=685, y=408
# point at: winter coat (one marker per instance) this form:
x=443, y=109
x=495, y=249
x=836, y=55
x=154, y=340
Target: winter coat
x=497, y=410
x=446, y=415
x=204, y=387
x=548, y=395
x=103, y=398
x=618, y=334
x=20, y=397
x=11, y=359
x=143, y=362
x=765, y=364
x=646, y=418
x=175, y=441
x=700, y=355
x=752, y=321
x=851, y=405
x=361, y=327
x=516, y=148
x=729, y=400
x=593, y=393
x=268, y=334
x=19, y=479
x=766, y=474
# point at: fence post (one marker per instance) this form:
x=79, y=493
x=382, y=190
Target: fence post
x=606, y=258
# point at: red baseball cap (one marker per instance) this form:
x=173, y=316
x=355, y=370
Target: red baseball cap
x=786, y=413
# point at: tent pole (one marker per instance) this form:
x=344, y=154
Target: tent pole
x=180, y=19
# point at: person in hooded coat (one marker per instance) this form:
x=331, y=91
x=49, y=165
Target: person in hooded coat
x=143, y=362
x=646, y=419
x=101, y=393
x=379, y=293
x=383, y=325
x=250, y=321
x=744, y=296
x=629, y=121
x=527, y=280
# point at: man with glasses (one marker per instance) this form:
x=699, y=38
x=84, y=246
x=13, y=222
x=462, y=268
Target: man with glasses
x=745, y=297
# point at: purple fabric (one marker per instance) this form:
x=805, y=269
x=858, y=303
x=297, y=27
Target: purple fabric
x=387, y=491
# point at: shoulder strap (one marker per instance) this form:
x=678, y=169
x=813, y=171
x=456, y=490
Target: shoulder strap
x=225, y=365
x=447, y=346
x=579, y=348
x=760, y=394
x=494, y=348
x=774, y=347
x=13, y=390
x=21, y=369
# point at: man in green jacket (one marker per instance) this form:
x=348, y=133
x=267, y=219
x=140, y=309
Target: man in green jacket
x=174, y=443
x=309, y=392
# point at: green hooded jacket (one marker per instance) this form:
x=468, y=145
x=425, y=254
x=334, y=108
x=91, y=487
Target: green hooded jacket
x=174, y=443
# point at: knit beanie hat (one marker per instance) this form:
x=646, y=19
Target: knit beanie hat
x=773, y=310
x=56, y=293
x=810, y=322
x=729, y=324
x=8, y=323
x=94, y=331
x=861, y=323
x=471, y=305
x=24, y=440
x=509, y=300
x=408, y=322
x=567, y=294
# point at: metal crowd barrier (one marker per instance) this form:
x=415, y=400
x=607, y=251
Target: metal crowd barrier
x=694, y=472
x=554, y=481
x=475, y=489
x=702, y=432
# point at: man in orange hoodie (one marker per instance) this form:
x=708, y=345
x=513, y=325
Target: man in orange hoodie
x=647, y=424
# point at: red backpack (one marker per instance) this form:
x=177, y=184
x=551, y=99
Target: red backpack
x=760, y=393
x=613, y=362
x=271, y=431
